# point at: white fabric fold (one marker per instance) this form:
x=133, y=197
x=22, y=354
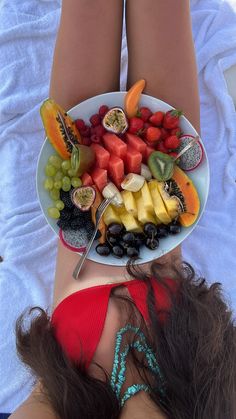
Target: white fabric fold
x=28, y=246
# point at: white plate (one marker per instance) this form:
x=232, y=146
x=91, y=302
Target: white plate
x=200, y=176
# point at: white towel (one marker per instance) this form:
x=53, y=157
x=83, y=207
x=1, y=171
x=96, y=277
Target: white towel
x=27, y=36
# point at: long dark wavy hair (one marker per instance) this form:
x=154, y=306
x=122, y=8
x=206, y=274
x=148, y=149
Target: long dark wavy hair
x=195, y=348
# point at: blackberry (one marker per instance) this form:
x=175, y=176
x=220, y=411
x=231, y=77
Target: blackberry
x=63, y=224
x=78, y=222
x=77, y=212
x=65, y=197
x=65, y=214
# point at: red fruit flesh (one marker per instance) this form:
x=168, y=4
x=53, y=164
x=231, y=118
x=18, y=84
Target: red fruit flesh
x=85, y=132
x=116, y=170
x=86, y=180
x=149, y=150
x=96, y=139
x=164, y=133
x=86, y=141
x=137, y=143
x=102, y=156
x=114, y=145
x=133, y=160
x=171, y=119
x=99, y=177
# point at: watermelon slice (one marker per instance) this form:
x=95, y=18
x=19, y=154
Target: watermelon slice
x=116, y=170
x=137, y=143
x=99, y=177
x=86, y=180
x=102, y=156
x=149, y=150
x=133, y=160
x=115, y=145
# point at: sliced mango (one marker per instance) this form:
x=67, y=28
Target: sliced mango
x=132, y=98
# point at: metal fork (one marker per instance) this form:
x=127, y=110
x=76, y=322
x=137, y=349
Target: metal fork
x=99, y=213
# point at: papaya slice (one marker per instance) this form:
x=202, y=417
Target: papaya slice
x=102, y=225
x=132, y=98
x=54, y=128
x=187, y=191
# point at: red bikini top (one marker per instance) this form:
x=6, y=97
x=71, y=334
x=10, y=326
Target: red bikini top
x=78, y=320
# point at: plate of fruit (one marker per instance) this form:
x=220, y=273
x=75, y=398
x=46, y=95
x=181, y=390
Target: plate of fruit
x=126, y=146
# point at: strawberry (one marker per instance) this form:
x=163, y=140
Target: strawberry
x=153, y=134
x=80, y=124
x=172, y=142
x=161, y=147
x=176, y=131
x=135, y=125
x=173, y=154
x=157, y=118
x=171, y=119
x=164, y=133
x=95, y=120
x=103, y=110
x=144, y=113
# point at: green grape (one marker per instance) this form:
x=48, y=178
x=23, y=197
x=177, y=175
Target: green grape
x=66, y=165
x=48, y=184
x=58, y=176
x=66, y=184
x=58, y=184
x=55, y=161
x=55, y=194
x=72, y=173
x=76, y=182
x=53, y=212
x=59, y=205
x=66, y=180
x=50, y=170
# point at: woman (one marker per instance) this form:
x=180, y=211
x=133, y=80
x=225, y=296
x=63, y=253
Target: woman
x=172, y=356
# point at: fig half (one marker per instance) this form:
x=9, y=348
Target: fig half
x=115, y=121
x=83, y=197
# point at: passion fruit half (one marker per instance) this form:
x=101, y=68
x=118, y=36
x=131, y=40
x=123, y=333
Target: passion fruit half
x=115, y=121
x=83, y=197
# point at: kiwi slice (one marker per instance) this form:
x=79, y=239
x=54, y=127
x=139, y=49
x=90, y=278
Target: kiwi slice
x=161, y=165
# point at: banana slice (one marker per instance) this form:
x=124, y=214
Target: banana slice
x=111, y=190
x=133, y=182
x=145, y=172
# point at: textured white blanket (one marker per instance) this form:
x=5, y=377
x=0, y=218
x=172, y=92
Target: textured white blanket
x=27, y=36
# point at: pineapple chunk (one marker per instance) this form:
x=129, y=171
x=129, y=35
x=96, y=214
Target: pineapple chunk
x=130, y=223
x=144, y=216
x=147, y=198
x=111, y=216
x=171, y=202
x=129, y=202
x=159, y=206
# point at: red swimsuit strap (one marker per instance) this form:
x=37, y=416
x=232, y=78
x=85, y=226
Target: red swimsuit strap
x=79, y=319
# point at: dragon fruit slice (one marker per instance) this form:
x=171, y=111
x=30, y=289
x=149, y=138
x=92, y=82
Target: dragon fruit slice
x=191, y=158
x=75, y=240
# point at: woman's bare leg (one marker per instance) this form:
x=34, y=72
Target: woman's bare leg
x=86, y=63
x=161, y=51
x=87, y=52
